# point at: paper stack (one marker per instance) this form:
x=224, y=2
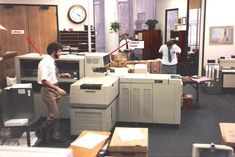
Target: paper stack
x=16, y=122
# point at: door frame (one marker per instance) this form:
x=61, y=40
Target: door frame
x=167, y=14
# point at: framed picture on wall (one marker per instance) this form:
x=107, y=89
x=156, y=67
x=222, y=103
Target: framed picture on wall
x=221, y=35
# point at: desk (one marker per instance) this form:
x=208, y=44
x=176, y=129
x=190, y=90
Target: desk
x=228, y=133
x=26, y=128
x=195, y=83
x=85, y=152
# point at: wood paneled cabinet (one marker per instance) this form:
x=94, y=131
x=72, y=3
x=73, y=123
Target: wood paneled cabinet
x=152, y=42
x=37, y=23
x=77, y=39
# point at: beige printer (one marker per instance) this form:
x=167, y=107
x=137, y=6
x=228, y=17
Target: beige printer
x=227, y=70
x=94, y=91
x=93, y=104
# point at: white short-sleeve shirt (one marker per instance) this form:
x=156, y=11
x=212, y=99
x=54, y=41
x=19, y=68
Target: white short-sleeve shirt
x=123, y=44
x=47, y=70
x=174, y=50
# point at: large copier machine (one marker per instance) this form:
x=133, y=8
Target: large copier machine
x=150, y=98
x=93, y=99
x=227, y=72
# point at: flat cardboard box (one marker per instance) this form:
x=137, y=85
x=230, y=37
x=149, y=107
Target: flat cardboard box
x=228, y=133
x=129, y=142
x=85, y=152
x=141, y=68
x=188, y=101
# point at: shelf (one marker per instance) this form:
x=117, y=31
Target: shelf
x=77, y=39
x=29, y=78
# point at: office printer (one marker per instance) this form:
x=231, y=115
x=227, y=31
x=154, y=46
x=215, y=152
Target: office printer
x=227, y=72
x=227, y=63
x=93, y=103
x=94, y=91
x=96, y=63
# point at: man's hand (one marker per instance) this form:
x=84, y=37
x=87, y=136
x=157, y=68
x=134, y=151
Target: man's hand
x=65, y=75
x=61, y=91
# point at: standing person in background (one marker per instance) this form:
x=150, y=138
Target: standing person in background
x=50, y=93
x=126, y=50
x=170, y=52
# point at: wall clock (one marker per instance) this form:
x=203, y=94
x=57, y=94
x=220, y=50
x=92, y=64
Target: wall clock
x=77, y=14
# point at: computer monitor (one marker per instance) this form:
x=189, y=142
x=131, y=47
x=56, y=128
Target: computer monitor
x=13, y=151
x=95, y=60
x=211, y=150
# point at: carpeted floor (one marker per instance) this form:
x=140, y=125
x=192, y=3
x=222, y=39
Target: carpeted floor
x=197, y=126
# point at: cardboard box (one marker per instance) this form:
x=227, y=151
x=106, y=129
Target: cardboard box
x=85, y=152
x=129, y=142
x=155, y=66
x=118, y=57
x=228, y=133
x=122, y=63
x=188, y=101
x=141, y=68
x=114, y=64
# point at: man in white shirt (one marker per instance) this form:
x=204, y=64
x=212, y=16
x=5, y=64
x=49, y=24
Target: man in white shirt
x=50, y=92
x=125, y=47
x=170, y=52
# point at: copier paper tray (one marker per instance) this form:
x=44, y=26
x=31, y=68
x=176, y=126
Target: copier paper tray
x=91, y=86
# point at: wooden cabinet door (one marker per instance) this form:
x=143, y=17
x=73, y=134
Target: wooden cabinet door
x=183, y=45
x=42, y=23
x=152, y=42
x=38, y=23
x=13, y=18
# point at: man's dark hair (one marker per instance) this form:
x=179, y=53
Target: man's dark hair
x=53, y=47
x=126, y=34
x=169, y=43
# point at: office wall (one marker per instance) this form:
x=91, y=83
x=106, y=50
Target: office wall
x=111, y=15
x=63, y=7
x=218, y=13
x=163, y=5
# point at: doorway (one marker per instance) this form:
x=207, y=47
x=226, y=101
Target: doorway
x=194, y=18
x=170, y=20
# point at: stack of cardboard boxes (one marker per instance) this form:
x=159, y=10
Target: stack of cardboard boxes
x=120, y=60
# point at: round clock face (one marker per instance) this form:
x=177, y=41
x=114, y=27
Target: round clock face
x=77, y=14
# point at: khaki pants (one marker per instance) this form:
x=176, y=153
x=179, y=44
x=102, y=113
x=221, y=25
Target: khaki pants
x=51, y=99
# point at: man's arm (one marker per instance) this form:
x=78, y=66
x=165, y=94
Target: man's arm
x=65, y=75
x=161, y=51
x=177, y=49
